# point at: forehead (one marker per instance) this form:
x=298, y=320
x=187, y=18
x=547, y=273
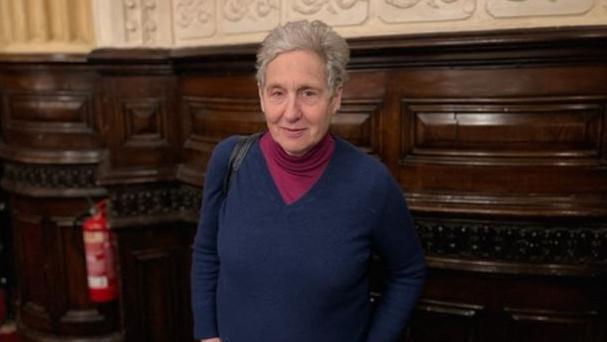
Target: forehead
x=295, y=68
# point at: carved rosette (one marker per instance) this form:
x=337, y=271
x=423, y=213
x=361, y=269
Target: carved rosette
x=250, y=15
x=515, y=242
x=405, y=11
x=194, y=19
x=333, y=12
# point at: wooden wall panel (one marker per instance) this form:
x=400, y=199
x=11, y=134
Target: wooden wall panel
x=528, y=325
x=138, y=111
x=155, y=277
x=61, y=120
x=531, y=137
x=207, y=121
x=498, y=140
x=49, y=112
x=53, y=297
x=436, y=321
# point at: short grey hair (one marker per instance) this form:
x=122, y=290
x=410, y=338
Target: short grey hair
x=315, y=36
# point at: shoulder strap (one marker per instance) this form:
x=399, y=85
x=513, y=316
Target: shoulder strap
x=236, y=157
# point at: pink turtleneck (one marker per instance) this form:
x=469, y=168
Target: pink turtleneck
x=295, y=175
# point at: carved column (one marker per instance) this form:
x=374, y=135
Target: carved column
x=46, y=25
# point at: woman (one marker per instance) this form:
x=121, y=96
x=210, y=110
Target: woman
x=283, y=256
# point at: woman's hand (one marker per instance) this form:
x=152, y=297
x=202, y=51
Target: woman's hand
x=214, y=339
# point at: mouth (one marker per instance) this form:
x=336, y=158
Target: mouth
x=293, y=132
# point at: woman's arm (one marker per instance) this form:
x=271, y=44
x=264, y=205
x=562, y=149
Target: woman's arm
x=205, y=261
x=397, y=243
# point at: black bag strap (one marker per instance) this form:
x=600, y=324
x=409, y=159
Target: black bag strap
x=236, y=157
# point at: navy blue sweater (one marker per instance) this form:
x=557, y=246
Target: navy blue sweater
x=264, y=271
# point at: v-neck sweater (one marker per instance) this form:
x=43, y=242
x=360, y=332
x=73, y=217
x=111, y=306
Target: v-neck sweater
x=295, y=175
x=267, y=271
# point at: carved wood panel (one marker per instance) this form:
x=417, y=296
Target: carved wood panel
x=142, y=141
x=53, y=293
x=145, y=123
x=538, y=131
x=531, y=142
x=49, y=116
x=155, y=278
x=209, y=120
x=358, y=121
x=497, y=139
x=61, y=120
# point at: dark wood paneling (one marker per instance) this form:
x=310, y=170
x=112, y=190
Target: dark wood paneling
x=48, y=113
x=53, y=296
x=155, y=277
x=437, y=321
x=142, y=143
x=526, y=325
x=498, y=140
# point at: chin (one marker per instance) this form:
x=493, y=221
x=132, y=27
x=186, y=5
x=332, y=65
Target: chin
x=294, y=150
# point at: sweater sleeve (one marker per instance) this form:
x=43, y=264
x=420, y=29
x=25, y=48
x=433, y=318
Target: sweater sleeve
x=398, y=246
x=205, y=260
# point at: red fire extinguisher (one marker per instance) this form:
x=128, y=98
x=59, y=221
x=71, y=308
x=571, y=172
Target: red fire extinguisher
x=100, y=268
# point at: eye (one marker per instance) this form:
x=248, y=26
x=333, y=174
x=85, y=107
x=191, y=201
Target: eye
x=309, y=93
x=276, y=93
x=310, y=96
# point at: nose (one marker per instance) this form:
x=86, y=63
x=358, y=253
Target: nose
x=292, y=110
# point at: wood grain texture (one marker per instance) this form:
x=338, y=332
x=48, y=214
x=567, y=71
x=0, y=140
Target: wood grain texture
x=498, y=140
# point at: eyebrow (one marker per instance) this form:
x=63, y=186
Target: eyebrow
x=300, y=88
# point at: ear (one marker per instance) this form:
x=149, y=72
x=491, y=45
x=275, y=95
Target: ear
x=260, y=93
x=337, y=99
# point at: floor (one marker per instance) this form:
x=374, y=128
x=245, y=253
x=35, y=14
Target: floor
x=7, y=328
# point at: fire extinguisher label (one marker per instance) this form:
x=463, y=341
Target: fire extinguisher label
x=98, y=258
x=97, y=282
x=94, y=236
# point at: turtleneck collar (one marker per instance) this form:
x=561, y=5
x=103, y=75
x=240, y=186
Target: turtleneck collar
x=295, y=175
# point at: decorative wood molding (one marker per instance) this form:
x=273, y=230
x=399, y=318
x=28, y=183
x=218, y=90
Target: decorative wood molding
x=509, y=242
x=40, y=156
x=546, y=207
x=154, y=202
x=51, y=180
x=457, y=309
x=515, y=242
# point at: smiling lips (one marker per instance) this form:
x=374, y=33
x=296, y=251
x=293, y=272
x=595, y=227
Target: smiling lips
x=293, y=132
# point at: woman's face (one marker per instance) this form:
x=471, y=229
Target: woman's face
x=296, y=102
